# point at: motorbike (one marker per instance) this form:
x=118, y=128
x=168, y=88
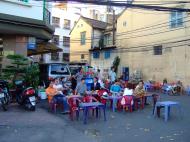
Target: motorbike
x=25, y=96
x=5, y=97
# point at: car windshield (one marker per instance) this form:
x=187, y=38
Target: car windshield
x=59, y=69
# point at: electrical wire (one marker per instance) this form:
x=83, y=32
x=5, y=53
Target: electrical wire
x=146, y=28
x=139, y=6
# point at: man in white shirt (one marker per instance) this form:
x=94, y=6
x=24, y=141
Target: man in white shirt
x=58, y=86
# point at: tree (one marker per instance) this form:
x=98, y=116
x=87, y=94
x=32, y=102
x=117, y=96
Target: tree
x=32, y=75
x=116, y=63
x=21, y=69
x=16, y=69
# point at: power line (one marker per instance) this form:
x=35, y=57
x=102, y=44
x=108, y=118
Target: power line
x=146, y=28
x=147, y=34
x=127, y=5
x=131, y=37
x=142, y=48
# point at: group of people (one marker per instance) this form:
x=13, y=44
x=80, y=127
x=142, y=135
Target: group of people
x=176, y=88
x=58, y=90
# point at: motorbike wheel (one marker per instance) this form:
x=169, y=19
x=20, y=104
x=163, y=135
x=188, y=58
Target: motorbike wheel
x=19, y=100
x=4, y=106
x=33, y=108
x=29, y=106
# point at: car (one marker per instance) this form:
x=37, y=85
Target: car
x=75, y=67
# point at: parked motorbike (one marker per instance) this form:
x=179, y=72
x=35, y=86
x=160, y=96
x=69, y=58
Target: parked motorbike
x=25, y=96
x=5, y=97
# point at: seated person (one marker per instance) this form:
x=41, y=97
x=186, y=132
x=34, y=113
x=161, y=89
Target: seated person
x=115, y=88
x=122, y=83
x=128, y=92
x=54, y=95
x=178, y=88
x=58, y=85
x=107, y=84
x=96, y=84
x=139, y=90
x=81, y=88
x=51, y=91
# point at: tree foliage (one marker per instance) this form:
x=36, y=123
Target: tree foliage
x=20, y=68
x=116, y=63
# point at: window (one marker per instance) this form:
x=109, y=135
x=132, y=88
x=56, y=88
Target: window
x=158, y=50
x=83, y=38
x=125, y=24
x=56, y=21
x=59, y=69
x=96, y=55
x=107, y=54
x=67, y=24
x=107, y=40
x=176, y=19
x=82, y=56
x=55, y=56
x=65, y=57
x=66, y=41
x=56, y=39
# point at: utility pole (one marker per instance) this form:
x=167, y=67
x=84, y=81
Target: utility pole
x=113, y=22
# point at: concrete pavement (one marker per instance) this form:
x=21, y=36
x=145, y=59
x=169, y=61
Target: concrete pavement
x=18, y=125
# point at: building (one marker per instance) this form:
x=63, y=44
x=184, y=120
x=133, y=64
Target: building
x=103, y=54
x=25, y=28
x=155, y=43
x=63, y=19
x=85, y=35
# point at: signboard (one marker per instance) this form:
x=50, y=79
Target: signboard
x=31, y=43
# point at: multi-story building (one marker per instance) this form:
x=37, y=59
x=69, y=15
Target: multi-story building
x=25, y=28
x=63, y=19
x=155, y=43
x=85, y=35
x=103, y=54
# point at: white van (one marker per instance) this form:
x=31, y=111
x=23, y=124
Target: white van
x=53, y=70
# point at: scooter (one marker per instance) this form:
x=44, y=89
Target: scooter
x=25, y=96
x=5, y=97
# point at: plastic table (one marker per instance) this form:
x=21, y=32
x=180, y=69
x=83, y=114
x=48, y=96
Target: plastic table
x=97, y=105
x=167, y=105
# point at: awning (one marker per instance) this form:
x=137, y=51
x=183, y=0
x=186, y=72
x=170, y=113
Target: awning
x=16, y=25
x=43, y=48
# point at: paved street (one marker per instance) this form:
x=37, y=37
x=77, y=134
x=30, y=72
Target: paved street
x=19, y=125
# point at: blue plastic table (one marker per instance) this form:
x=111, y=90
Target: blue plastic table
x=166, y=105
x=97, y=105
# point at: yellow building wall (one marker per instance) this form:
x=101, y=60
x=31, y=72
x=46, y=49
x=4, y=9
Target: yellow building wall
x=145, y=29
x=76, y=49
